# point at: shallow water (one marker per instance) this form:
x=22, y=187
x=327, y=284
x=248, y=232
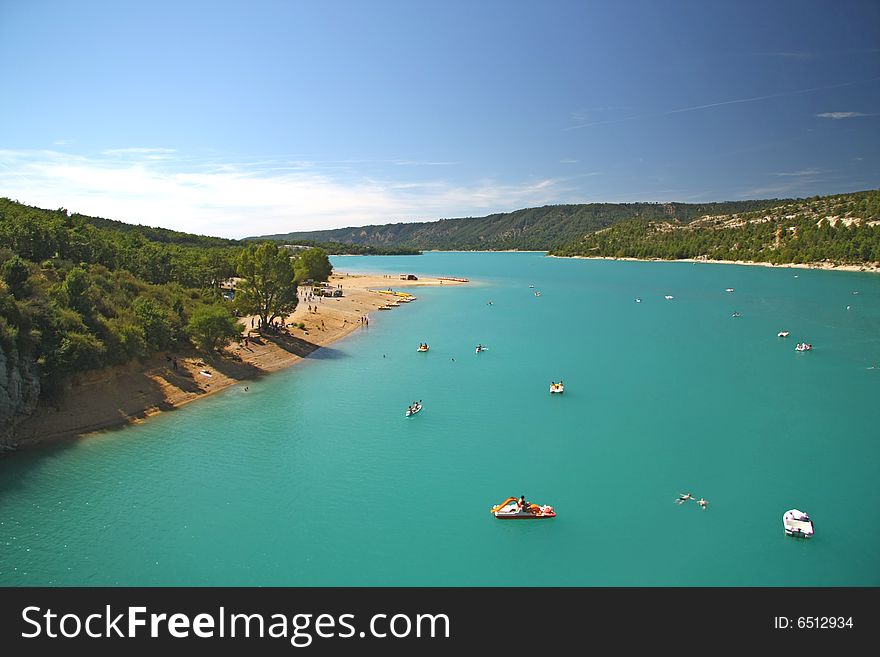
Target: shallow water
x=315, y=477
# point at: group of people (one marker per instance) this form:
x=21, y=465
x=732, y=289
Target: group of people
x=423, y=346
x=365, y=321
x=415, y=406
x=684, y=497
x=556, y=387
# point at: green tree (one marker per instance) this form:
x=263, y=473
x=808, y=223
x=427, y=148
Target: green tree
x=155, y=322
x=312, y=264
x=15, y=275
x=76, y=287
x=268, y=288
x=212, y=327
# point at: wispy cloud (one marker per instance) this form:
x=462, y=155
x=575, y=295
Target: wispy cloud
x=802, y=172
x=735, y=101
x=248, y=197
x=139, y=151
x=841, y=115
x=568, y=161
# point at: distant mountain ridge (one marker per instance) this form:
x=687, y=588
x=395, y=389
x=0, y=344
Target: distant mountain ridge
x=531, y=229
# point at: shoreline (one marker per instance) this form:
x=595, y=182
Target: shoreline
x=111, y=398
x=873, y=268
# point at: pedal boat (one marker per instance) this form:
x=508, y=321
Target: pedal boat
x=508, y=510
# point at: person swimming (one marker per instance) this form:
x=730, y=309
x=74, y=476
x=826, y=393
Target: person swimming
x=703, y=503
x=684, y=498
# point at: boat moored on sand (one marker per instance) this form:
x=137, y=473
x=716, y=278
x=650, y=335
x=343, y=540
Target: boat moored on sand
x=510, y=509
x=797, y=523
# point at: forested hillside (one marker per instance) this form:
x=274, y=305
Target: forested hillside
x=536, y=229
x=80, y=293
x=842, y=229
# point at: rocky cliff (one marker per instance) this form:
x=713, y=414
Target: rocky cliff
x=19, y=392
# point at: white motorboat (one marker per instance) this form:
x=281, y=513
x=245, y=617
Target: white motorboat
x=782, y=334
x=736, y=315
x=638, y=300
x=730, y=289
x=797, y=523
x=669, y=296
x=480, y=348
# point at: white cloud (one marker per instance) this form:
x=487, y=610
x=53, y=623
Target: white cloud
x=840, y=115
x=245, y=198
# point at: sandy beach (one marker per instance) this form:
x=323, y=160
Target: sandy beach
x=113, y=397
x=873, y=267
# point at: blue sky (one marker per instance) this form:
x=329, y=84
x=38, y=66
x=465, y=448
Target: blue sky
x=243, y=118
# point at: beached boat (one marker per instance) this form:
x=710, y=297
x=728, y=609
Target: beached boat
x=413, y=410
x=509, y=510
x=797, y=523
x=557, y=388
x=384, y=308
x=803, y=346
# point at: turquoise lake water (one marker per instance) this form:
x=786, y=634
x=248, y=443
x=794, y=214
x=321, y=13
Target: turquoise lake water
x=315, y=477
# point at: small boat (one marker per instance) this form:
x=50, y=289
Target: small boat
x=384, y=308
x=557, y=388
x=669, y=296
x=480, y=348
x=509, y=510
x=736, y=315
x=537, y=293
x=638, y=300
x=412, y=410
x=782, y=334
x=422, y=347
x=730, y=289
x=803, y=346
x=531, y=286
x=797, y=523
